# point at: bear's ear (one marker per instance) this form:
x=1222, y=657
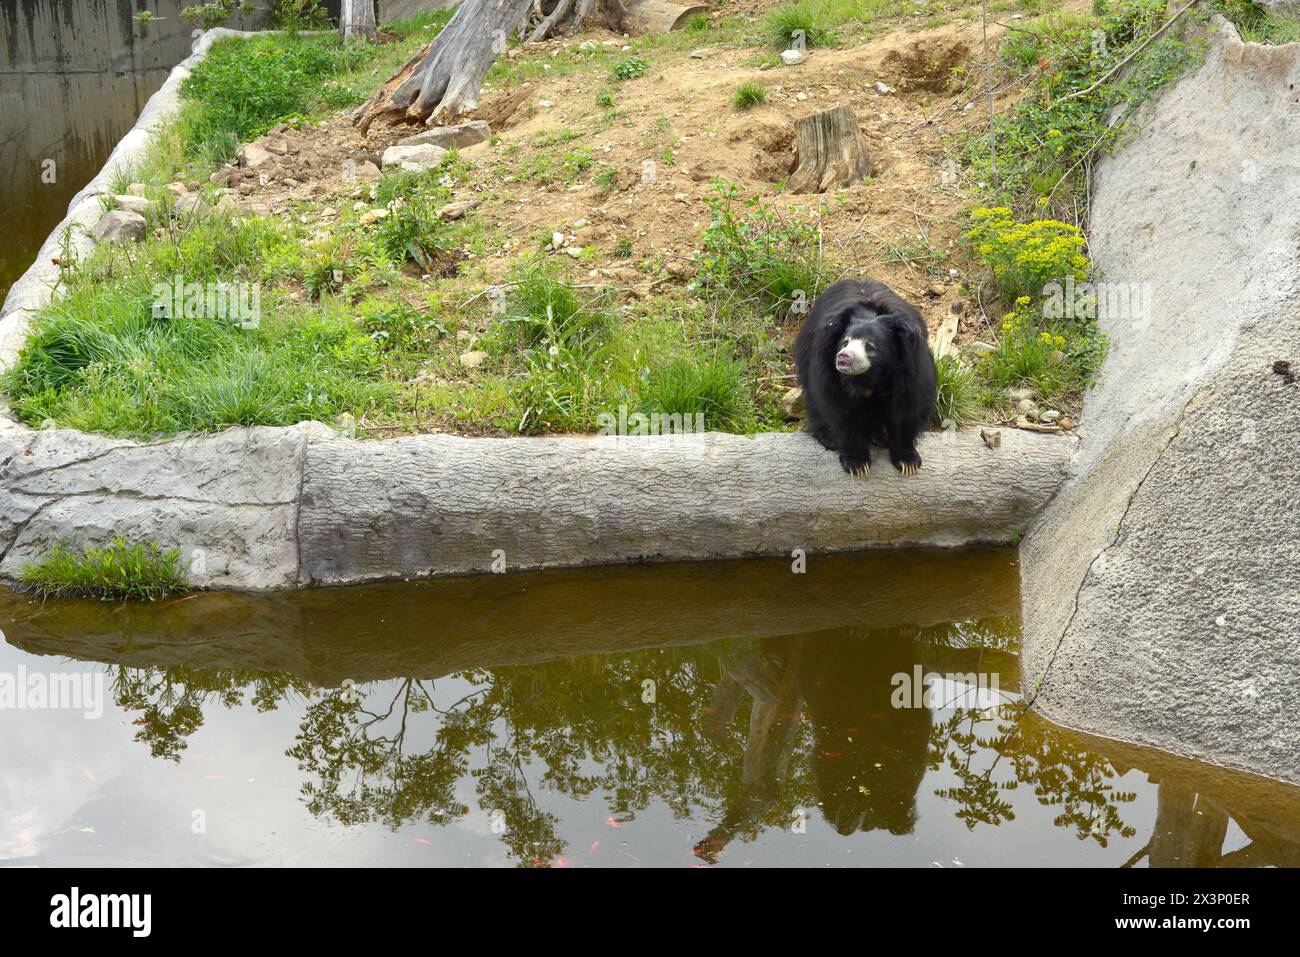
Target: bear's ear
x=904, y=328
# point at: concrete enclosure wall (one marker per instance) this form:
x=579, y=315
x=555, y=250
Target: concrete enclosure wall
x=1161, y=590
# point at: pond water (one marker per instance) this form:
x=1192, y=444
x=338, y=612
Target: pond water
x=724, y=714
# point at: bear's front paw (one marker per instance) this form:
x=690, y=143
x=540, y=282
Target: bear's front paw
x=906, y=461
x=856, y=465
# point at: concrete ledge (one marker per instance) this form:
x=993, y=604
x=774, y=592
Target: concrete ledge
x=273, y=508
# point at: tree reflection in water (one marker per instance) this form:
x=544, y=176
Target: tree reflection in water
x=750, y=735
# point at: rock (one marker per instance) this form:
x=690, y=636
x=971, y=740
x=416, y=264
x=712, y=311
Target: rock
x=1026, y=406
x=177, y=189
x=251, y=156
x=1181, y=506
x=1066, y=422
x=702, y=53
x=136, y=189
x=557, y=240
x=801, y=96
x=572, y=251
x=370, y=217
x=135, y=204
x=680, y=269
x=189, y=205
x=454, y=211
x=120, y=226
x=792, y=403
x=1051, y=415
x=452, y=137
x=883, y=87
x=793, y=57
x=414, y=158
x=982, y=348
x=473, y=359
x=364, y=170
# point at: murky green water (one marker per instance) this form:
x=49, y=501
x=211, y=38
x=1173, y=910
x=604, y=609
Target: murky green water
x=725, y=714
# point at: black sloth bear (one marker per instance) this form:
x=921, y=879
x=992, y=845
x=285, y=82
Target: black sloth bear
x=867, y=374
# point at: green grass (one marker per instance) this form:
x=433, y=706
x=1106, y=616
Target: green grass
x=102, y=359
x=117, y=571
x=714, y=388
x=755, y=255
x=628, y=68
x=1038, y=157
x=959, y=393
x=818, y=19
x=748, y=95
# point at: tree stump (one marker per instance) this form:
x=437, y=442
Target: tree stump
x=357, y=19
x=831, y=152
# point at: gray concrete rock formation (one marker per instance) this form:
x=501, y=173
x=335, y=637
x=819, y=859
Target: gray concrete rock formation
x=1161, y=590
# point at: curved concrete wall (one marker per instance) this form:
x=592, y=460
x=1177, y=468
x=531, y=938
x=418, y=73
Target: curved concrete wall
x=1161, y=590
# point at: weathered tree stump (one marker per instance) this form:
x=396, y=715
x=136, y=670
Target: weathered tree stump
x=831, y=152
x=357, y=19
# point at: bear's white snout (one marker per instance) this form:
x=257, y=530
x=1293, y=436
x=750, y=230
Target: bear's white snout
x=852, y=359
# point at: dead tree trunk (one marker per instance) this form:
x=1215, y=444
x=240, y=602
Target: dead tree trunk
x=357, y=19
x=441, y=82
x=831, y=151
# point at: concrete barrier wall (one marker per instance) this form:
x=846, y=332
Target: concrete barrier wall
x=1161, y=590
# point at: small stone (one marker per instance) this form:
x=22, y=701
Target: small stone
x=370, y=217
x=801, y=96
x=136, y=204
x=136, y=189
x=545, y=104
x=252, y=156
x=120, y=226
x=454, y=211
x=572, y=251
x=1065, y=422
x=702, y=53
x=1051, y=415
x=414, y=158
x=452, y=137
x=177, y=189
x=473, y=359
x=793, y=57
x=982, y=348
x=792, y=403
x=189, y=205
x=365, y=170
x=1026, y=406
x=883, y=87
x=557, y=240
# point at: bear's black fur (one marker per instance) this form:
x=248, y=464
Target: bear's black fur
x=867, y=374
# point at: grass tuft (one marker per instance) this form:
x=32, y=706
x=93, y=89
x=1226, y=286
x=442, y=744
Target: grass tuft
x=748, y=95
x=140, y=572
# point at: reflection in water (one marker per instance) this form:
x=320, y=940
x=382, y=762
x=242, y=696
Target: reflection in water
x=770, y=746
